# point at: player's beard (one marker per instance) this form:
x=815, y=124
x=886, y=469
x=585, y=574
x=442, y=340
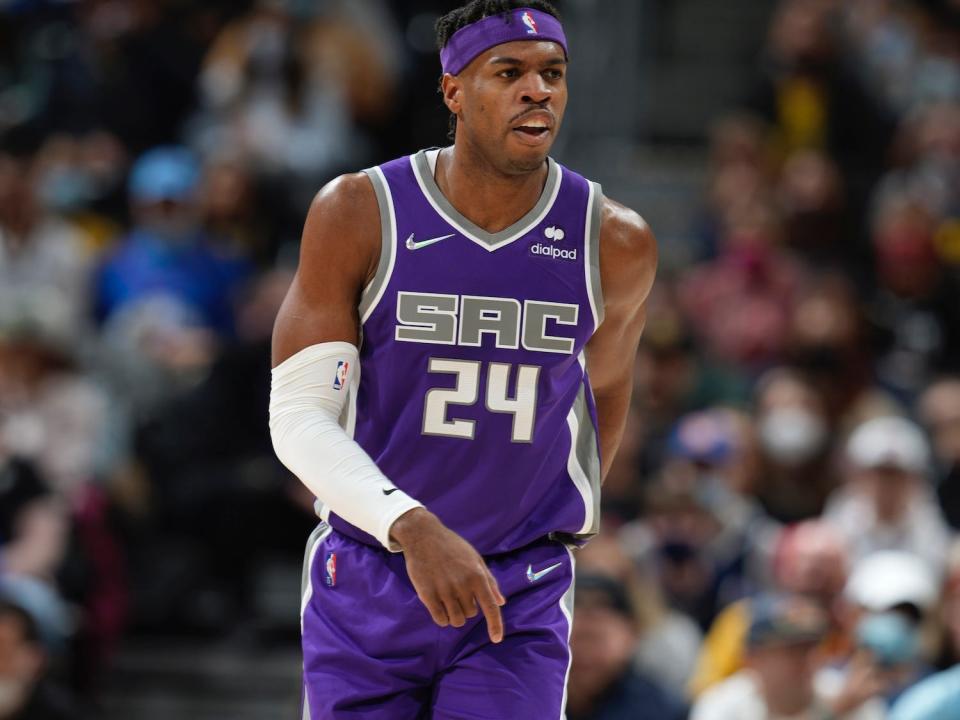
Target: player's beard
x=526, y=165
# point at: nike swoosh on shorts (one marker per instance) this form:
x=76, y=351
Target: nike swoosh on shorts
x=534, y=576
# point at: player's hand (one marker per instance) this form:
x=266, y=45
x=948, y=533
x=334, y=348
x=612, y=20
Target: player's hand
x=450, y=577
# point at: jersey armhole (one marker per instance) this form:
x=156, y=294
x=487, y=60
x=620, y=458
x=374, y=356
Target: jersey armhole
x=591, y=261
x=371, y=294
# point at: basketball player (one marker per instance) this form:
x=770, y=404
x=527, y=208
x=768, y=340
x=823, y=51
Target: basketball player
x=452, y=362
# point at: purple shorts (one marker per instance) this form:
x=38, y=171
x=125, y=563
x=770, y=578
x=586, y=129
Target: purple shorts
x=371, y=650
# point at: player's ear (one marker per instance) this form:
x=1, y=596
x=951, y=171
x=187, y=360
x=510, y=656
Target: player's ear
x=450, y=87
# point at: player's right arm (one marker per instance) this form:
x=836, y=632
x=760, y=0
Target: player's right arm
x=339, y=254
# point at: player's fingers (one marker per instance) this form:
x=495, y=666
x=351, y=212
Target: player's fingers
x=436, y=609
x=468, y=604
x=491, y=611
x=495, y=589
x=454, y=611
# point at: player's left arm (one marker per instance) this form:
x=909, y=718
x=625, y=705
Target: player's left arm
x=628, y=264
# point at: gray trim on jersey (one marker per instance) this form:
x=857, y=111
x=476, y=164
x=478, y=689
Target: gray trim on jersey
x=593, y=243
x=371, y=293
x=311, y=541
x=306, y=704
x=424, y=173
x=568, y=596
x=318, y=535
x=566, y=607
x=588, y=454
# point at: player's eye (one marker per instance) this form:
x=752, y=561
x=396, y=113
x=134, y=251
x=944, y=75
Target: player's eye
x=509, y=73
x=553, y=74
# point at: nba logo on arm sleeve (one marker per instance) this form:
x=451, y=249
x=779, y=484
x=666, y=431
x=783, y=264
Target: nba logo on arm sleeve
x=340, y=379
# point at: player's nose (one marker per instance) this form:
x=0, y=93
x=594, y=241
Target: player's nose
x=536, y=89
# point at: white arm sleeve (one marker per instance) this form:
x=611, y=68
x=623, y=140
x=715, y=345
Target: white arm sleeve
x=307, y=395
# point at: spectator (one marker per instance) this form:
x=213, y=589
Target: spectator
x=939, y=410
x=668, y=640
x=26, y=693
x=603, y=684
x=828, y=345
x=167, y=254
x=739, y=303
x=794, y=476
x=890, y=596
x=811, y=99
x=672, y=377
x=217, y=488
x=811, y=196
x=679, y=528
x=950, y=650
x=887, y=503
x=44, y=264
x=912, y=310
x=33, y=524
x=808, y=559
x=781, y=664
x=287, y=88
x=935, y=698
x=710, y=455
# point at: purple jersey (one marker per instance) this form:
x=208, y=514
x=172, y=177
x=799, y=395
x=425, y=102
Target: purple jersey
x=472, y=394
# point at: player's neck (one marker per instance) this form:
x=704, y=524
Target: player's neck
x=489, y=198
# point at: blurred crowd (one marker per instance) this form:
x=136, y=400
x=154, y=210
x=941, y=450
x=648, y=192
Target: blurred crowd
x=781, y=522
x=780, y=525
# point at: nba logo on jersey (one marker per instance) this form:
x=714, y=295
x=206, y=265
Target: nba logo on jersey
x=331, y=567
x=528, y=20
x=340, y=379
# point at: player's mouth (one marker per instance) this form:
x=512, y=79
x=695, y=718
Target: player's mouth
x=533, y=130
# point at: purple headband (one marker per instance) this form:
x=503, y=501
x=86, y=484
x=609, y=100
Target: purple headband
x=521, y=24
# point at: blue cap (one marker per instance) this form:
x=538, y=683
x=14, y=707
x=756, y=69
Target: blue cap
x=782, y=619
x=704, y=436
x=169, y=172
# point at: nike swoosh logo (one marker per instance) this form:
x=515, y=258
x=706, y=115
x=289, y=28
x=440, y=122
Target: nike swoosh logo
x=534, y=576
x=391, y=490
x=412, y=245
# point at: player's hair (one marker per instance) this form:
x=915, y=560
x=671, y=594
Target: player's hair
x=477, y=10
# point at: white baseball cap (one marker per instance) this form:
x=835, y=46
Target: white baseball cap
x=888, y=578
x=889, y=442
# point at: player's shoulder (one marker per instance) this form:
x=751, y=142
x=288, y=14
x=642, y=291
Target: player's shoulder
x=345, y=209
x=349, y=193
x=628, y=255
x=622, y=229
x=343, y=223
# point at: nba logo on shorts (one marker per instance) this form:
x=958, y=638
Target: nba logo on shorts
x=340, y=379
x=528, y=20
x=331, y=567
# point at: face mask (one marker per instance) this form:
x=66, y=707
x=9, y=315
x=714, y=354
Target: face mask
x=12, y=696
x=792, y=436
x=64, y=189
x=891, y=638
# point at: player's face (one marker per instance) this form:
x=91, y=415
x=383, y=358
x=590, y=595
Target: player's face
x=510, y=101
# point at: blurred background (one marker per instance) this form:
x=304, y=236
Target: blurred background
x=780, y=525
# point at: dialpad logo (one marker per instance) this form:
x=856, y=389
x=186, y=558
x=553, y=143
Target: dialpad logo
x=552, y=251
